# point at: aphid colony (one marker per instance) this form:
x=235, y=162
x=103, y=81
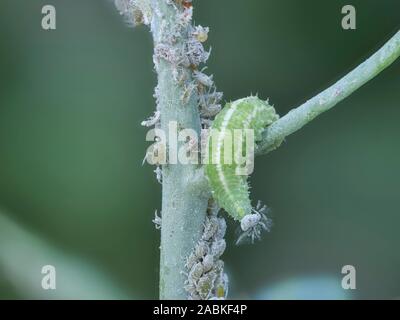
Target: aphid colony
x=135, y=12
x=186, y=59
x=205, y=272
x=206, y=278
x=204, y=268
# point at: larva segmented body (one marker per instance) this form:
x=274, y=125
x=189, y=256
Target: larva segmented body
x=230, y=190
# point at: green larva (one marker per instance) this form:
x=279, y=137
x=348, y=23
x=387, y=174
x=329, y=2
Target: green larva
x=230, y=190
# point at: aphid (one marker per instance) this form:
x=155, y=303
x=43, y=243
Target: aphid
x=221, y=291
x=153, y=120
x=190, y=287
x=218, y=247
x=209, y=102
x=203, y=79
x=252, y=225
x=168, y=53
x=130, y=11
x=210, y=110
x=158, y=172
x=191, y=261
x=210, y=228
x=230, y=190
x=196, y=53
x=201, y=33
x=157, y=221
x=196, y=272
x=213, y=97
x=135, y=12
x=219, y=266
x=201, y=249
x=205, y=285
x=208, y=262
x=221, y=228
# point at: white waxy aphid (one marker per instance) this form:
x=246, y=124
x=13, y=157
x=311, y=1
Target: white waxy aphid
x=218, y=247
x=222, y=286
x=157, y=221
x=205, y=285
x=191, y=261
x=196, y=272
x=210, y=103
x=221, y=228
x=253, y=224
x=190, y=287
x=212, y=97
x=201, y=249
x=210, y=110
x=196, y=53
x=158, y=172
x=219, y=266
x=250, y=221
x=210, y=228
x=122, y=5
x=201, y=33
x=135, y=12
x=208, y=262
x=203, y=79
x=153, y=120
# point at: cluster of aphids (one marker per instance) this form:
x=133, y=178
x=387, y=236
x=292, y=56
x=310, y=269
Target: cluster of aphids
x=180, y=44
x=209, y=98
x=187, y=59
x=206, y=278
x=135, y=12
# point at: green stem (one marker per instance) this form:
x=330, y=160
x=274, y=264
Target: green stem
x=184, y=202
x=297, y=118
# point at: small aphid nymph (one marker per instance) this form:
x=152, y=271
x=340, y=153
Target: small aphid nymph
x=157, y=221
x=201, y=33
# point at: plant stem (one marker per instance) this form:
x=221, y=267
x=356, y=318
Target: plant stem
x=184, y=203
x=297, y=118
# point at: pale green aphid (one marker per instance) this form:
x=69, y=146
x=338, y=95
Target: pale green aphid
x=230, y=190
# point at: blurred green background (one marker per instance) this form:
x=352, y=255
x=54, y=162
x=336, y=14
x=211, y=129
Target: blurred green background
x=73, y=191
